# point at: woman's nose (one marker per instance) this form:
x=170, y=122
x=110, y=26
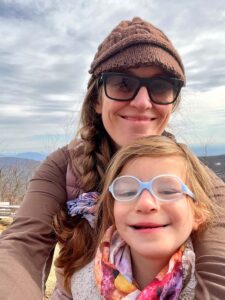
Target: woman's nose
x=146, y=203
x=142, y=99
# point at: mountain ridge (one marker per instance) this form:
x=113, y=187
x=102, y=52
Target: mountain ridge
x=215, y=162
x=37, y=156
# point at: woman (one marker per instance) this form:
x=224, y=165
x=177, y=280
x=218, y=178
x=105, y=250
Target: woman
x=117, y=109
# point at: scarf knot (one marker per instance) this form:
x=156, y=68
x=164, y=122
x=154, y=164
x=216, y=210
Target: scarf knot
x=85, y=206
x=114, y=277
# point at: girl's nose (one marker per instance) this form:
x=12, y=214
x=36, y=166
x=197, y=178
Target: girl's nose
x=142, y=99
x=146, y=203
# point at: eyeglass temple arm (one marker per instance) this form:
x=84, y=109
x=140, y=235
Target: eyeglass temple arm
x=188, y=192
x=100, y=81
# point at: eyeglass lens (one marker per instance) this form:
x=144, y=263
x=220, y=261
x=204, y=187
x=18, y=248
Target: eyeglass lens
x=165, y=188
x=124, y=87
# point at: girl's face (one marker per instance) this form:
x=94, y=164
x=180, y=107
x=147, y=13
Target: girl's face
x=125, y=121
x=154, y=230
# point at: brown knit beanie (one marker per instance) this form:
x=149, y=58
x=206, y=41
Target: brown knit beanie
x=133, y=44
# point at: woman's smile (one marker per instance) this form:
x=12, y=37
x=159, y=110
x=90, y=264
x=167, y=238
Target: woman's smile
x=138, y=118
x=125, y=121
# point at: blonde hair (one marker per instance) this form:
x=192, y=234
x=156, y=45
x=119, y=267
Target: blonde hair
x=198, y=178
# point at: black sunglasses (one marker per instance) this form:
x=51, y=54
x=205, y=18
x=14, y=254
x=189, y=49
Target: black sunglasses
x=124, y=87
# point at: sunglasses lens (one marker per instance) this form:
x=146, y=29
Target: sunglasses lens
x=162, y=90
x=121, y=87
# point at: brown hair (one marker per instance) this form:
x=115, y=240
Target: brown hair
x=89, y=159
x=198, y=178
x=90, y=154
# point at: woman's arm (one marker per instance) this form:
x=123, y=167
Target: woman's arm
x=27, y=246
x=210, y=251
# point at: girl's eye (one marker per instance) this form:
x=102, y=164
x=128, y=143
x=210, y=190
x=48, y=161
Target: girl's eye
x=168, y=192
x=127, y=194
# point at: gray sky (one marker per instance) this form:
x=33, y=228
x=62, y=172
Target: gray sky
x=47, y=46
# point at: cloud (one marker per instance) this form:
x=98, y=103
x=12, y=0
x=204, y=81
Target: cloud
x=47, y=47
x=200, y=120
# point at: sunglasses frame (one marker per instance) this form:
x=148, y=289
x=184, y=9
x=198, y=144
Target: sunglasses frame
x=143, y=81
x=148, y=186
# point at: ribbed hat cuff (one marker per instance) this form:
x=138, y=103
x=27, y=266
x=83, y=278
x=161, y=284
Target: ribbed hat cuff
x=139, y=56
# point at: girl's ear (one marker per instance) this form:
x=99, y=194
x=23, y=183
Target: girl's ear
x=197, y=222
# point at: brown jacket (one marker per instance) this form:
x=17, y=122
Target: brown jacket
x=26, y=247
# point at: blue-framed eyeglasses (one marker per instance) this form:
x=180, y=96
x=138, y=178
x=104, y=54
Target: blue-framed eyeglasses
x=165, y=187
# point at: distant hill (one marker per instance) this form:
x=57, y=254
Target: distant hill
x=27, y=155
x=15, y=170
x=30, y=160
x=209, y=150
x=20, y=162
x=26, y=167
x=15, y=174
x=32, y=155
x=216, y=163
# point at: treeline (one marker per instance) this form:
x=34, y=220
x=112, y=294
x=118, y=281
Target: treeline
x=13, y=183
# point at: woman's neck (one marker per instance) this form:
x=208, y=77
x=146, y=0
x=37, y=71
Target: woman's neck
x=145, y=270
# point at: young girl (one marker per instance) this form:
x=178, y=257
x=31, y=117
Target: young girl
x=155, y=196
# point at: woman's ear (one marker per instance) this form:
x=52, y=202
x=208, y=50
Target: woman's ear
x=98, y=108
x=98, y=105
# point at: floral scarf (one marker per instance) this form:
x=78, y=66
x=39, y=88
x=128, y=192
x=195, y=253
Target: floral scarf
x=115, y=281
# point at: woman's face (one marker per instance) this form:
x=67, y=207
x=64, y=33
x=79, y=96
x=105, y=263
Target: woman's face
x=125, y=121
x=154, y=229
